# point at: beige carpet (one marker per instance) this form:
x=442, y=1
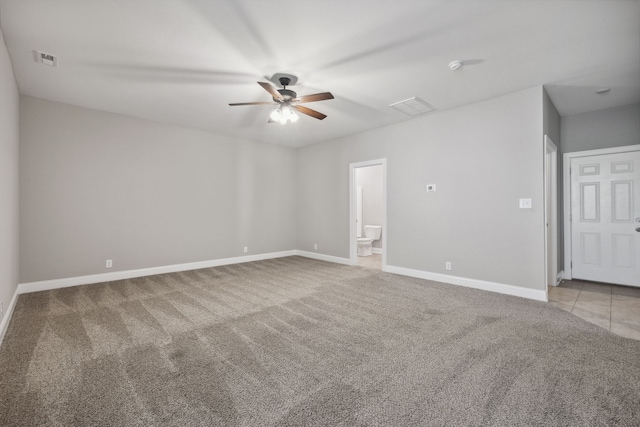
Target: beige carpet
x=299, y=342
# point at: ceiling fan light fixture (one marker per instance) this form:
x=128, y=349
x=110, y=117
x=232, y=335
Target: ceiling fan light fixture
x=286, y=112
x=276, y=115
x=284, y=97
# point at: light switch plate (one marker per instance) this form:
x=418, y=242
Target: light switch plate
x=525, y=203
x=431, y=188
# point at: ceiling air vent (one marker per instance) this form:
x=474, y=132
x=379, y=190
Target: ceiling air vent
x=45, y=58
x=413, y=106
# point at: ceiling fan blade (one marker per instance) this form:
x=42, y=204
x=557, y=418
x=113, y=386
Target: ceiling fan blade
x=272, y=90
x=252, y=103
x=315, y=97
x=309, y=112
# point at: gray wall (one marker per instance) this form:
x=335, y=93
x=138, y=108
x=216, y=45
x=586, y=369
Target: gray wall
x=9, y=138
x=97, y=186
x=370, y=179
x=614, y=127
x=482, y=158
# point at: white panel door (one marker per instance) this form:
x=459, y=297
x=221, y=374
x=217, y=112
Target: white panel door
x=605, y=218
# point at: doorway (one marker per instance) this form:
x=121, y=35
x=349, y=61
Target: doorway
x=602, y=220
x=551, y=211
x=368, y=206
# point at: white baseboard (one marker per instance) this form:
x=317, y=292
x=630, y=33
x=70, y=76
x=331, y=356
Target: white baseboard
x=560, y=277
x=323, y=257
x=4, y=324
x=46, y=285
x=518, y=291
x=377, y=251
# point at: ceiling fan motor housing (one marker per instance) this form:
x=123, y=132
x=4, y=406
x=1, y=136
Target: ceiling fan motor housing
x=287, y=94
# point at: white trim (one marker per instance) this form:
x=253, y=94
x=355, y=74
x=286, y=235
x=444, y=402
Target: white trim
x=4, y=325
x=129, y=274
x=378, y=251
x=566, y=178
x=518, y=291
x=323, y=257
x=550, y=248
x=560, y=277
x=46, y=285
x=602, y=151
x=353, y=248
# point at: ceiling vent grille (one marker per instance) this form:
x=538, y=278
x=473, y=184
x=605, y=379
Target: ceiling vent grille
x=413, y=106
x=45, y=58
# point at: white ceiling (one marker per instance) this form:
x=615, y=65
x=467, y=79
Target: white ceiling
x=183, y=61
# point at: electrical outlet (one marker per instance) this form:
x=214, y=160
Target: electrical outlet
x=109, y=263
x=447, y=265
x=246, y=249
x=315, y=246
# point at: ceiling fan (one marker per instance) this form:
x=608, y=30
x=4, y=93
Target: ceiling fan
x=288, y=101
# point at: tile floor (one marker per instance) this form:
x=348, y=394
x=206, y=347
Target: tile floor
x=613, y=307
x=371, y=261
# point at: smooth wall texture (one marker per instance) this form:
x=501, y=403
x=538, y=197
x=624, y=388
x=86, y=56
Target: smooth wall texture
x=482, y=158
x=370, y=179
x=551, y=127
x=9, y=150
x=98, y=186
x=614, y=127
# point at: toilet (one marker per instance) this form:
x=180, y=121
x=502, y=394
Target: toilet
x=371, y=233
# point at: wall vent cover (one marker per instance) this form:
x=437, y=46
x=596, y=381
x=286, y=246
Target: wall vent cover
x=413, y=106
x=45, y=58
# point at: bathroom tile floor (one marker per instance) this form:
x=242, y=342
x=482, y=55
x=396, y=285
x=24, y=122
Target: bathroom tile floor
x=613, y=307
x=371, y=261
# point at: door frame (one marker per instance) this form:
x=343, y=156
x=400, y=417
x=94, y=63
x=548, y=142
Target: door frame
x=566, y=178
x=353, y=244
x=550, y=206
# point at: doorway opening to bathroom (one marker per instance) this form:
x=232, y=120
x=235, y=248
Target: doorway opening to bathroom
x=368, y=214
